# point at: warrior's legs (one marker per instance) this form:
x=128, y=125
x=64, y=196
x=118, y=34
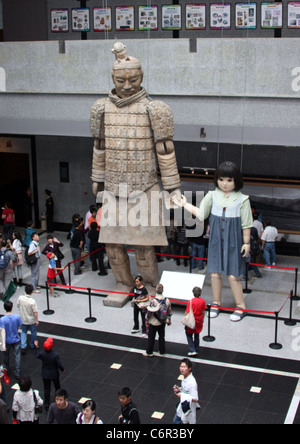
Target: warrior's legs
x=147, y=265
x=120, y=265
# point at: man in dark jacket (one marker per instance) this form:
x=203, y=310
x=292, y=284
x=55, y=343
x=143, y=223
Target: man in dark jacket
x=51, y=364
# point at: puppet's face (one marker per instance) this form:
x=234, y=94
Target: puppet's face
x=226, y=184
x=127, y=82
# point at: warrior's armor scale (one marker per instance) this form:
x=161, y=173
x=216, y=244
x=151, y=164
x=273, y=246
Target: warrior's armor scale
x=129, y=134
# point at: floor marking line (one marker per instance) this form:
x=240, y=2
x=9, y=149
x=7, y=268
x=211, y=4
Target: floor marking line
x=290, y=417
x=177, y=357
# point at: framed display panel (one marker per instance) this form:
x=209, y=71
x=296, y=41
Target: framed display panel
x=171, y=17
x=80, y=19
x=179, y=286
x=245, y=15
x=124, y=18
x=293, y=15
x=148, y=18
x=220, y=16
x=195, y=16
x=102, y=19
x=59, y=20
x=271, y=15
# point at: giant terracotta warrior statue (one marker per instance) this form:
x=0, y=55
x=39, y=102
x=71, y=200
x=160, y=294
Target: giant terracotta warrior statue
x=133, y=138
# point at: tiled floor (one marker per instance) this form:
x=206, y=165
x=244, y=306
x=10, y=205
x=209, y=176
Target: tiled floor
x=225, y=379
x=226, y=370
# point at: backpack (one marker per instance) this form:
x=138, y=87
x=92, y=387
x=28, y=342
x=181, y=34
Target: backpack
x=162, y=314
x=3, y=261
x=30, y=259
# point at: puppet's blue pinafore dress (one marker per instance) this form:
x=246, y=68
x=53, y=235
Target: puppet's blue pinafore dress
x=226, y=239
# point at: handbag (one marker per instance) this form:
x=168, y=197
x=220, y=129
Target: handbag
x=188, y=319
x=37, y=408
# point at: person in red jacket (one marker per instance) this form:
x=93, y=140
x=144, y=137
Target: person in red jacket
x=198, y=306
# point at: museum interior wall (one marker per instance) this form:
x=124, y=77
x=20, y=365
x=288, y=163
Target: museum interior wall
x=234, y=94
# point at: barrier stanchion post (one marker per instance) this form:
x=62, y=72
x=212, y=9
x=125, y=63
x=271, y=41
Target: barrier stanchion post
x=69, y=291
x=48, y=311
x=90, y=319
x=209, y=338
x=295, y=297
x=247, y=290
x=275, y=345
x=290, y=322
x=191, y=261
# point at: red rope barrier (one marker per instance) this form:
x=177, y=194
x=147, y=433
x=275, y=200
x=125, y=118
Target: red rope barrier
x=171, y=300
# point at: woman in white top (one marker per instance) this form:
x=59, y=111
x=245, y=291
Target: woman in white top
x=17, y=266
x=88, y=415
x=25, y=401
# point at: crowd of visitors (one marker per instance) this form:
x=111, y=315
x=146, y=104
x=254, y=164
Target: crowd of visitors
x=155, y=313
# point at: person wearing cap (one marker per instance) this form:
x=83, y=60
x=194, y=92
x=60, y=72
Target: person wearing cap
x=133, y=136
x=157, y=323
x=51, y=364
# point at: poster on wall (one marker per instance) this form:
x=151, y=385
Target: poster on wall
x=171, y=17
x=125, y=18
x=271, y=15
x=294, y=15
x=148, y=18
x=81, y=19
x=195, y=16
x=220, y=16
x=102, y=19
x=245, y=15
x=59, y=20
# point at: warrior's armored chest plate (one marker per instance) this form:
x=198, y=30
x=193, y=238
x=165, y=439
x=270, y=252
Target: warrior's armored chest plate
x=129, y=148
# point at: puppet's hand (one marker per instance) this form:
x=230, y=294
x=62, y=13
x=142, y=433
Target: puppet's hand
x=245, y=250
x=179, y=202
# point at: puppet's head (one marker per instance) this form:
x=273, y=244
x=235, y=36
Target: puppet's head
x=228, y=170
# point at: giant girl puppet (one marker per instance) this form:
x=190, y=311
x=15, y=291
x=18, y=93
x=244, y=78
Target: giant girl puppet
x=230, y=220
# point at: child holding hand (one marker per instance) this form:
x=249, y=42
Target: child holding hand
x=52, y=269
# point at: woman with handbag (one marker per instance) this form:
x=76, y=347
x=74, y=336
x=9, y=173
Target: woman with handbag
x=193, y=320
x=27, y=403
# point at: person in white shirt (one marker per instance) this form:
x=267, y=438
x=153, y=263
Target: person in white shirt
x=269, y=238
x=34, y=250
x=187, y=394
x=29, y=315
x=258, y=225
x=88, y=415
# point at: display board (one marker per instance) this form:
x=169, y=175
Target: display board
x=178, y=287
x=191, y=17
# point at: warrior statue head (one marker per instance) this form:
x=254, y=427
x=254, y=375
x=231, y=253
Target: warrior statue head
x=127, y=72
